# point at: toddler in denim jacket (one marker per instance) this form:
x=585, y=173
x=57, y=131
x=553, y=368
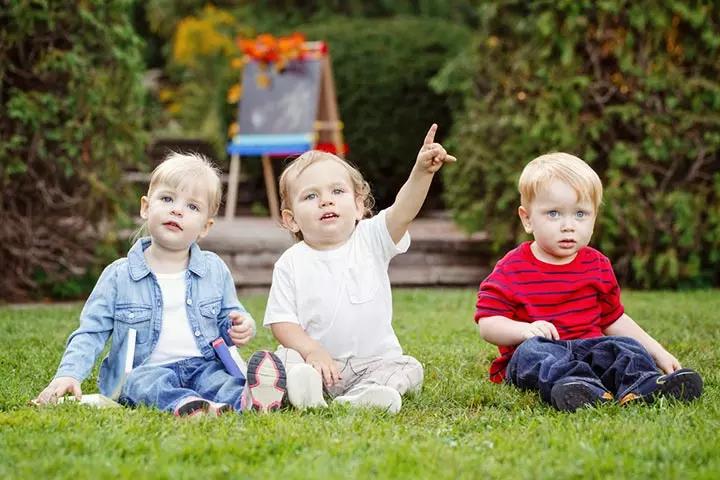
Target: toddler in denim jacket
x=178, y=299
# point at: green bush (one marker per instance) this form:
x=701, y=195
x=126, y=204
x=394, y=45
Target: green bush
x=632, y=87
x=382, y=70
x=70, y=119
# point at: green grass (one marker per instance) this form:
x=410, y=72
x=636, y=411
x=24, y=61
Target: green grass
x=461, y=426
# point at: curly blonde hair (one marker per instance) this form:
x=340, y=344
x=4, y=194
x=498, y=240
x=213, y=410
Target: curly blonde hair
x=361, y=188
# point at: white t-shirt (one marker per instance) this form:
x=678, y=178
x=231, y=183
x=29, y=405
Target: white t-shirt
x=341, y=297
x=176, y=341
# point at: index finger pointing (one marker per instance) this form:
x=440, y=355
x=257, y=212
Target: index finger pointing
x=430, y=137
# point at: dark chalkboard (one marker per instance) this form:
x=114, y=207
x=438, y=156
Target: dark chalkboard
x=287, y=105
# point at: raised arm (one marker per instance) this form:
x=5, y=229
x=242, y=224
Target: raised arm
x=412, y=195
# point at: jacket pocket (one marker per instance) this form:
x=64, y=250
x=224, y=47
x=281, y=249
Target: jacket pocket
x=210, y=308
x=134, y=316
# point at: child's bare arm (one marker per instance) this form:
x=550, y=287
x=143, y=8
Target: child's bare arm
x=412, y=195
x=500, y=330
x=292, y=335
x=626, y=327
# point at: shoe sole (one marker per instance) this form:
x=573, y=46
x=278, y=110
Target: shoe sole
x=193, y=408
x=570, y=397
x=266, y=382
x=685, y=387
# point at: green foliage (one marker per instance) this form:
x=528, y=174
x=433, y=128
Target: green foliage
x=270, y=14
x=631, y=87
x=382, y=70
x=71, y=102
x=460, y=427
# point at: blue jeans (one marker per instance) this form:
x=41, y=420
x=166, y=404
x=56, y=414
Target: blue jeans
x=164, y=386
x=614, y=364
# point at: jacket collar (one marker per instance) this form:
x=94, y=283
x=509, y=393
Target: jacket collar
x=140, y=269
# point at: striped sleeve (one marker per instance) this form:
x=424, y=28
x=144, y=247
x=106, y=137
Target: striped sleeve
x=610, y=303
x=495, y=297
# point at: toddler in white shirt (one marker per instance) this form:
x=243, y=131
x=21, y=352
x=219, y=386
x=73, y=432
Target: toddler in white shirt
x=330, y=303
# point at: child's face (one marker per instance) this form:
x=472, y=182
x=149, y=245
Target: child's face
x=561, y=223
x=177, y=217
x=323, y=205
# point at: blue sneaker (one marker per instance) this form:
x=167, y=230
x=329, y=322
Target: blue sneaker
x=684, y=385
x=570, y=396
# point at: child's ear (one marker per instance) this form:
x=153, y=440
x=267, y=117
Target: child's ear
x=288, y=220
x=144, y=207
x=525, y=219
x=206, y=228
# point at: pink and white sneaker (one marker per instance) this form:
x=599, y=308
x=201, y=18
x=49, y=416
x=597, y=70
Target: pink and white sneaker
x=196, y=407
x=265, y=388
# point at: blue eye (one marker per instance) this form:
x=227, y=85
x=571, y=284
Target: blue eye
x=310, y=196
x=338, y=191
x=553, y=214
x=192, y=206
x=166, y=198
x=580, y=214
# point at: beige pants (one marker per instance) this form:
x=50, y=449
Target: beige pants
x=404, y=374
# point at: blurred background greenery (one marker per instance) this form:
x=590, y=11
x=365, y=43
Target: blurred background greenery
x=630, y=86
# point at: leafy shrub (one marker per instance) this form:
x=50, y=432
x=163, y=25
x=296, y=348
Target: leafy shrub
x=382, y=70
x=631, y=87
x=70, y=119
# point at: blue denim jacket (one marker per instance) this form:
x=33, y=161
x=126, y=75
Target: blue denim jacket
x=127, y=295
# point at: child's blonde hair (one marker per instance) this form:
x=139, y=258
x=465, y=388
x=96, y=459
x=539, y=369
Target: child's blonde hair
x=184, y=170
x=361, y=188
x=543, y=170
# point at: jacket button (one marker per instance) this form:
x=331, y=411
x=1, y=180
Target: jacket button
x=131, y=315
x=189, y=301
x=197, y=333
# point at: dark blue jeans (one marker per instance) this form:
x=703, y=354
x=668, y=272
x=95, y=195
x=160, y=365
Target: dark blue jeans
x=164, y=386
x=614, y=364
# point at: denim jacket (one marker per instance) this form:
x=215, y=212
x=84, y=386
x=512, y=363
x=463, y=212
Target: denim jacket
x=127, y=295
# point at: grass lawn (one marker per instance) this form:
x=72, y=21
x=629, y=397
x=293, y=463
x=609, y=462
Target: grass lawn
x=461, y=426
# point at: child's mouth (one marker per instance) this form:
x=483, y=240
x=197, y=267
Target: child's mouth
x=173, y=226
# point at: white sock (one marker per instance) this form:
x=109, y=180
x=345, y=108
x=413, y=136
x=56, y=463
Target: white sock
x=304, y=387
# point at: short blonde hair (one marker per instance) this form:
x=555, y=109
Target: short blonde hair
x=183, y=170
x=186, y=170
x=543, y=170
x=361, y=188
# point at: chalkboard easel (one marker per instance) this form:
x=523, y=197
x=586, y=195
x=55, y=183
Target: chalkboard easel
x=295, y=111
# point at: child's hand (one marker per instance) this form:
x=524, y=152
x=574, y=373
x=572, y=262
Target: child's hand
x=432, y=155
x=321, y=360
x=665, y=361
x=243, y=328
x=541, y=329
x=57, y=388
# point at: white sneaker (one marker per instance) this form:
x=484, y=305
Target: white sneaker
x=378, y=396
x=304, y=387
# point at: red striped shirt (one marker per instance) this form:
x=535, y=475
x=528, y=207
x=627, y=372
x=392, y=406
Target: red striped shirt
x=580, y=298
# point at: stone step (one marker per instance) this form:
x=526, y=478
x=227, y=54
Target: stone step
x=439, y=255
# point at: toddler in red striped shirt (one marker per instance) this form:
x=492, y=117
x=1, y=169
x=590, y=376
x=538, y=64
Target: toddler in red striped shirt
x=553, y=308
